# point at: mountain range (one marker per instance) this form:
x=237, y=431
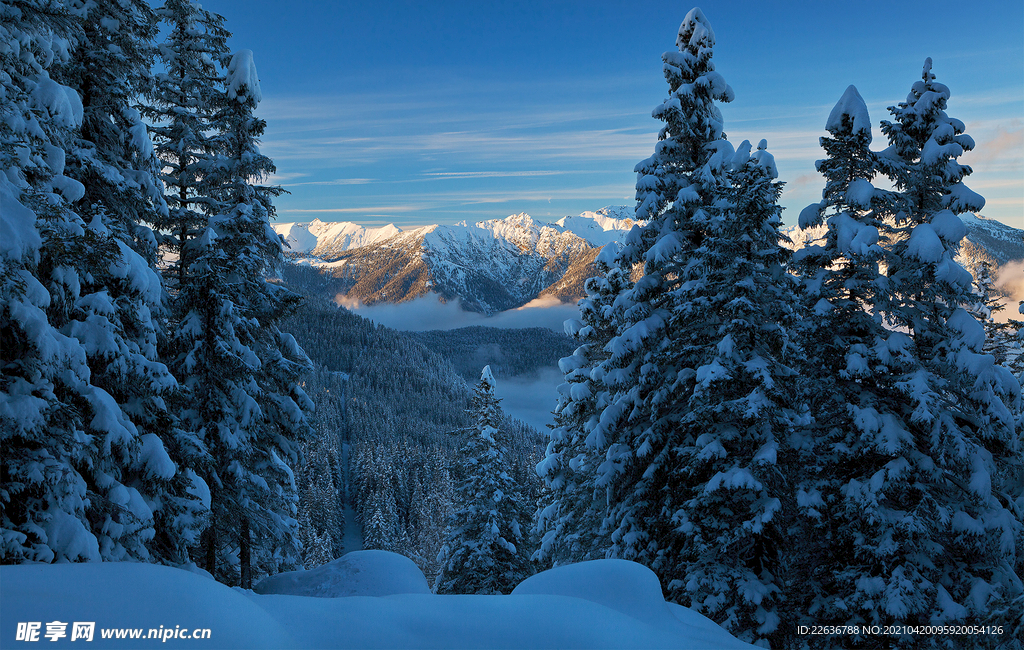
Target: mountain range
x=490, y=266
x=501, y=264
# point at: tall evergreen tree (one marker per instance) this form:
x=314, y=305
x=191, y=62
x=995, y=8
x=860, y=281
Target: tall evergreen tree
x=184, y=99
x=485, y=552
x=677, y=188
x=902, y=458
x=43, y=495
x=858, y=410
x=114, y=159
x=84, y=470
x=970, y=411
x=729, y=486
x=572, y=505
x=240, y=369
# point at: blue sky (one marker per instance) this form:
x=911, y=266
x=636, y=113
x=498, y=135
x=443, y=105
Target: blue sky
x=436, y=112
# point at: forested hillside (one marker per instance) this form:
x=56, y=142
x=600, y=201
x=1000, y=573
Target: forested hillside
x=406, y=417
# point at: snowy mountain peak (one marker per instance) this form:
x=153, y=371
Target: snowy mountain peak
x=490, y=265
x=519, y=229
x=325, y=238
x=602, y=227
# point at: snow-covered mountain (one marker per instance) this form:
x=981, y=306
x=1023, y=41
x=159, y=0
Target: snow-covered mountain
x=489, y=265
x=324, y=239
x=601, y=227
x=501, y=264
x=1000, y=242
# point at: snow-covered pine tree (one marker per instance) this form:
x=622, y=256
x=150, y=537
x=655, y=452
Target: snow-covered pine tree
x=485, y=552
x=320, y=516
x=243, y=371
x=897, y=489
x=1000, y=336
x=965, y=408
x=726, y=554
x=184, y=98
x=572, y=506
x=433, y=503
x=320, y=550
x=43, y=498
x=853, y=359
x=380, y=530
x=677, y=189
x=81, y=480
x=114, y=160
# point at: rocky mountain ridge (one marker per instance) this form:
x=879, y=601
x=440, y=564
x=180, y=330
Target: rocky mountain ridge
x=490, y=266
x=501, y=264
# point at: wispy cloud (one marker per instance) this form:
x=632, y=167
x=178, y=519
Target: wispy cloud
x=513, y=147
x=385, y=209
x=336, y=181
x=1005, y=145
x=478, y=146
x=283, y=178
x=491, y=174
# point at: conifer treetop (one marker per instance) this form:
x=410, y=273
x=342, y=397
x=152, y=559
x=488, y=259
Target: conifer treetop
x=695, y=31
x=486, y=378
x=850, y=115
x=242, y=82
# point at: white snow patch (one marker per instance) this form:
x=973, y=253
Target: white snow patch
x=602, y=604
x=242, y=81
x=155, y=457
x=924, y=243
x=948, y=226
x=19, y=237
x=359, y=573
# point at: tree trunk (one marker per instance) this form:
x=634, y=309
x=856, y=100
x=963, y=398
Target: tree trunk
x=211, y=547
x=211, y=535
x=245, y=554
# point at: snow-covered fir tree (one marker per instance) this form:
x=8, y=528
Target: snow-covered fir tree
x=320, y=479
x=967, y=407
x=114, y=159
x=433, y=506
x=573, y=505
x=486, y=550
x=677, y=189
x=320, y=519
x=84, y=467
x=1001, y=339
x=727, y=553
x=380, y=524
x=43, y=497
x=183, y=101
x=899, y=470
x=240, y=369
x=855, y=360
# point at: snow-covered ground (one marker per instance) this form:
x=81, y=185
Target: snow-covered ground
x=601, y=604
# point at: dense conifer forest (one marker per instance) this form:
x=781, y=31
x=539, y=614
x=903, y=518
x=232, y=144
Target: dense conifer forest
x=784, y=438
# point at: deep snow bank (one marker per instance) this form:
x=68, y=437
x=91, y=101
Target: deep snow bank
x=360, y=573
x=601, y=604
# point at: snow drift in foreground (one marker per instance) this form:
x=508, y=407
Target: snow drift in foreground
x=600, y=604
